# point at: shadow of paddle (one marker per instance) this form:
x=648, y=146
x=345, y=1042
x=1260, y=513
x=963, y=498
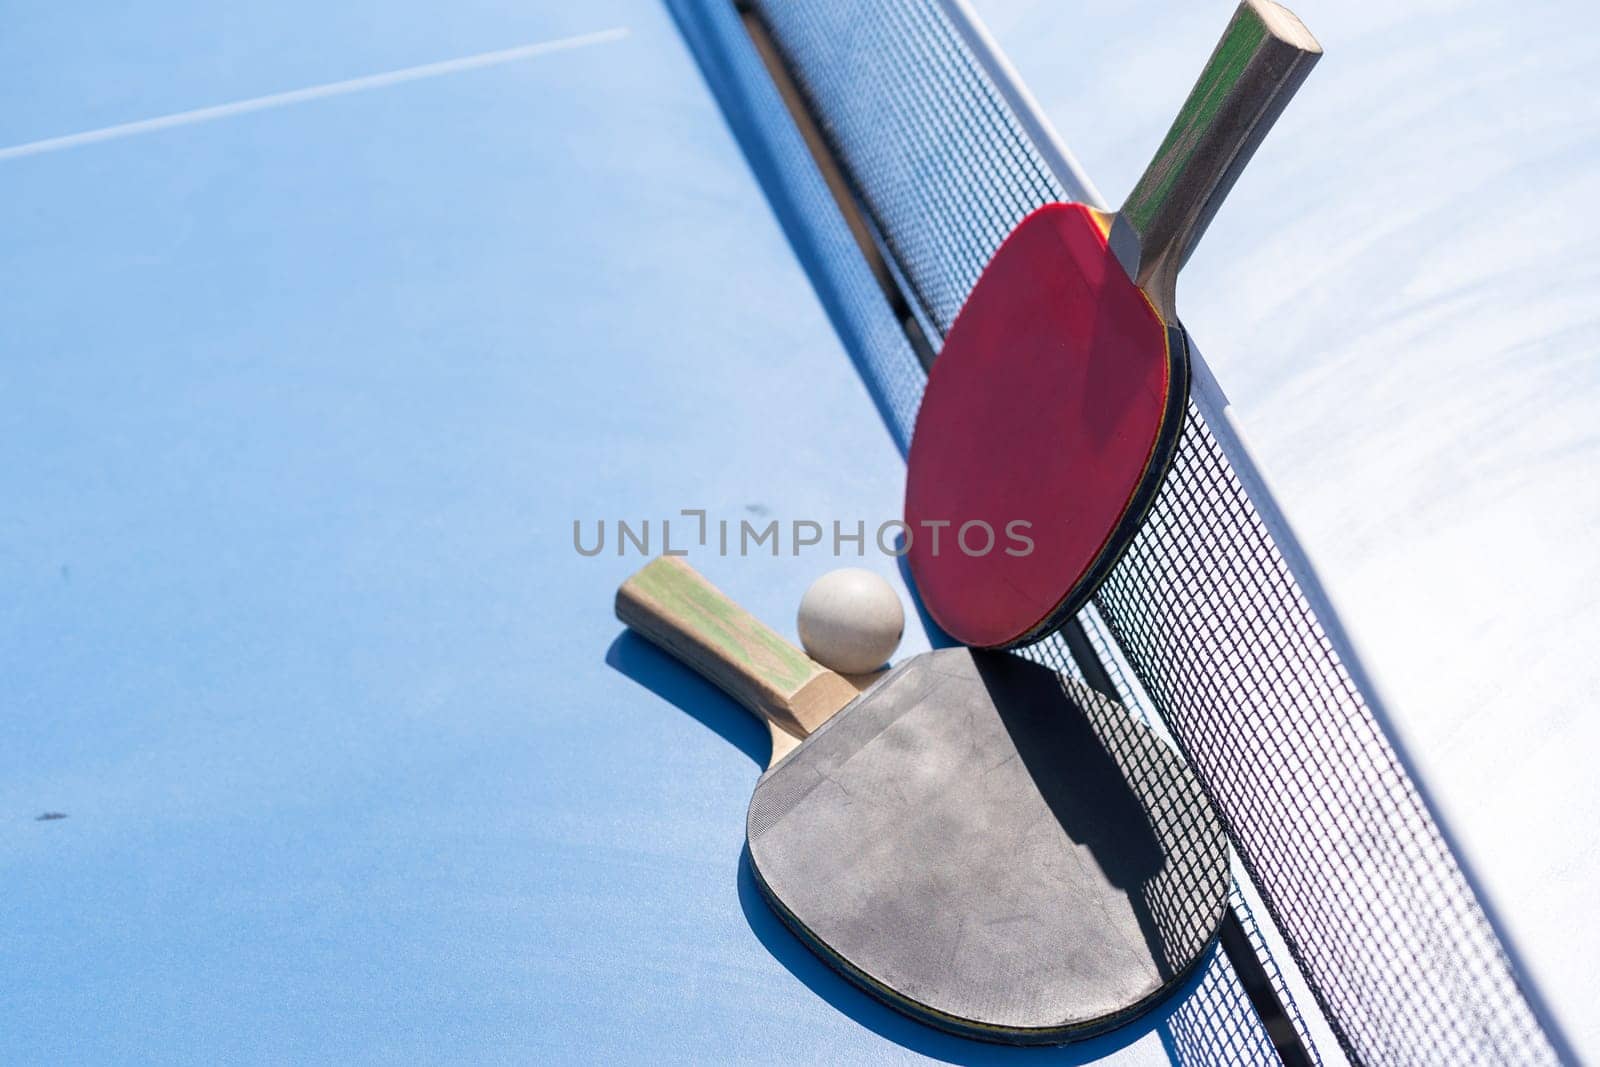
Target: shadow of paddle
x=1084, y=787
x=638, y=659
x=937, y=638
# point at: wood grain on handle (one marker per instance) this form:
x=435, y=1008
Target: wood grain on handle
x=669, y=603
x=1264, y=55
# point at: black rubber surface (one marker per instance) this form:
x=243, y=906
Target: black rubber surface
x=994, y=849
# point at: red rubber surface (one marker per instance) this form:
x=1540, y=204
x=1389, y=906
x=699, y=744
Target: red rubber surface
x=1046, y=405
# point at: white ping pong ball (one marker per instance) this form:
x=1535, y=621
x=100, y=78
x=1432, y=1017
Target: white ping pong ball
x=851, y=620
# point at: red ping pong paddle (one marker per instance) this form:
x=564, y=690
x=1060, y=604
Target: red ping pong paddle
x=1058, y=398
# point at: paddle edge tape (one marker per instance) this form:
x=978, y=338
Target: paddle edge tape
x=970, y=1028
x=1143, y=498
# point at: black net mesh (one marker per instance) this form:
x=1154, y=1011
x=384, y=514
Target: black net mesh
x=1203, y=609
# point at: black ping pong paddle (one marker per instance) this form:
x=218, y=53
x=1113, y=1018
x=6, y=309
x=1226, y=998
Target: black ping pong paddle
x=982, y=843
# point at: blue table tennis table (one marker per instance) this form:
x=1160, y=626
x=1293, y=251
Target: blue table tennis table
x=327, y=329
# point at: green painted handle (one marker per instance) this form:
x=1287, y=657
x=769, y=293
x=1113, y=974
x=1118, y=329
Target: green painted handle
x=670, y=603
x=1264, y=55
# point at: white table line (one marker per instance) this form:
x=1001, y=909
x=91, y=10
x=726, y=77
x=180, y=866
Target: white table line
x=315, y=92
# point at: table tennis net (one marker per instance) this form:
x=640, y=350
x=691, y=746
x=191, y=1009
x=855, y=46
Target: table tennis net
x=1203, y=622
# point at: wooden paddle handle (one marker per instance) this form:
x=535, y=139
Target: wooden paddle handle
x=1264, y=55
x=672, y=605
